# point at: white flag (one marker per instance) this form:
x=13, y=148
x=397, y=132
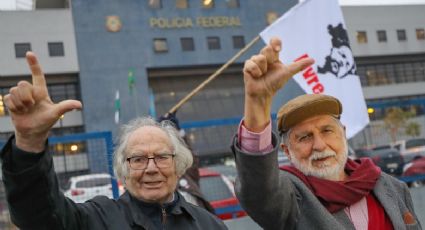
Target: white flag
x=117, y=105
x=316, y=28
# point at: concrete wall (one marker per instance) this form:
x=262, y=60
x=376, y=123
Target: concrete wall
x=389, y=18
x=38, y=28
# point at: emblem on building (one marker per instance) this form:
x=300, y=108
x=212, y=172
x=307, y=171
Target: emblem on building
x=113, y=23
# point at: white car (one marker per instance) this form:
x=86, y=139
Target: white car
x=411, y=149
x=85, y=187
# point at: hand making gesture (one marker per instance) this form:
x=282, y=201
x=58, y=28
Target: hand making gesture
x=32, y=111
x=264, y=75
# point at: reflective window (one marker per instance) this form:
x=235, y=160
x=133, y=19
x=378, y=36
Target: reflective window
x=207, y=4
x=2, y=106
x=155, y=4
x=401, y=35
x=21, y=49
x=420, y=34
x=382, y=35
x=187, y=44
x=238, y=42
x=213, y=43
x=232, y=3
x=361, y=37
x=56, y=49
x=160, y=45
x=181, y=4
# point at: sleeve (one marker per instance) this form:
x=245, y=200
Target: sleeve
x=267, y=195
x=255, y=143
x=32, y=191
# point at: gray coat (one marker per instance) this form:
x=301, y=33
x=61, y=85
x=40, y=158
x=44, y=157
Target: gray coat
x=276, y=199
x=36, y=203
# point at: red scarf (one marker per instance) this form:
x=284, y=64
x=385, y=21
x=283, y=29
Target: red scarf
x=336, y=195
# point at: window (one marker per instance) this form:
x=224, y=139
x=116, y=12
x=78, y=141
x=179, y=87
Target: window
x=213, y=43
x=420, y=34
x=401, y=35
x=21, y=49
x=2, y=106
x=187, y=44
x=160, y=45
x=207, y=4
x=56, y=49
x=155, y=4
x=232, y=3
x=181, y=4
x=382, y=35
x=271, y=17
x=361, y=37
x=238, y=42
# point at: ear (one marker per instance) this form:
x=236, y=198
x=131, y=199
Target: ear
x=285, y=150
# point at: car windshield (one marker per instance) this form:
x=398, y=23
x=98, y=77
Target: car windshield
x=95, y=182
x=383, y=152
x=214, y=188
x=415, y=143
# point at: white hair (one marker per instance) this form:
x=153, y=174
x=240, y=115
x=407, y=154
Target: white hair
x=183, y=156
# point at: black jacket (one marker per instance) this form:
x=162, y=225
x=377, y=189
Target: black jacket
x=35, y=202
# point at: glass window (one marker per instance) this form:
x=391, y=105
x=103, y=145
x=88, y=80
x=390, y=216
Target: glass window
x=382, y=35
x=181, y=4
x=56, y=49
x=2, y=106
x=155, y=4
x=21, y=49
x=160, y=45
x=271, y=17
x=401, y=35
x=94, y=182
x=420, y=34
x=207, y=4
x=232, y=3
x=238, y=42
x=213, y=43
x=187, y=44
x=361, y=37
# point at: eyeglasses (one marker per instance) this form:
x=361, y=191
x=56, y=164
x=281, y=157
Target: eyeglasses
x=164, y=160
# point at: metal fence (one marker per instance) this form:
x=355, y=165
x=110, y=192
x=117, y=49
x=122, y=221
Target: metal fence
x=76, y=156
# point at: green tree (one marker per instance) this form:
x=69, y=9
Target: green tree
x=413, y=129
x=397, y=119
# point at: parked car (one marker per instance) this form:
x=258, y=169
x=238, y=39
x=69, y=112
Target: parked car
x=414, y=172
x=411, y=149
x=388, y=159
x=219, y=191
x=85, y=187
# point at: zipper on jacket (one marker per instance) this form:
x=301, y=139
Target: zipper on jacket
x=164, y=217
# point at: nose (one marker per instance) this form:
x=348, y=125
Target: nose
x=319, y=143
x=151, y=167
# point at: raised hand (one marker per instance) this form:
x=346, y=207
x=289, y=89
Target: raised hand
x=264, y=75
x=32, y=111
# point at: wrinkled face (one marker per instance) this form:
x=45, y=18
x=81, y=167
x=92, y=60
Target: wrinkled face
x=318, y=147
x=153, y=184
x=342, y=61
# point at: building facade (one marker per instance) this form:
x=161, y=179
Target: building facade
x=155, y=52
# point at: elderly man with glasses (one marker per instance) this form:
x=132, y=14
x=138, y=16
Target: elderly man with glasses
x=149, y=159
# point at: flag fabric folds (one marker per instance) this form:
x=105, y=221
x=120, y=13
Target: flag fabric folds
x=316, y=28
x=131, y=81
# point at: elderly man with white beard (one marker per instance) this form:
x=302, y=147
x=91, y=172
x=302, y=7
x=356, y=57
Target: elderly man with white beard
x=322, y=188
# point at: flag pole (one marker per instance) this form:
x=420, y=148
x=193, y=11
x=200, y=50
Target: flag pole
x=214, y=75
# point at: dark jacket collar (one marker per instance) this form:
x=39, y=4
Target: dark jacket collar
x=141, y=215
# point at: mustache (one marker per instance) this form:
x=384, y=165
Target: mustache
x=316, y=155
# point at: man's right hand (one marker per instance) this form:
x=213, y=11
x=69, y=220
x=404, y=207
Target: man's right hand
x=264, y=75
x=32, y=111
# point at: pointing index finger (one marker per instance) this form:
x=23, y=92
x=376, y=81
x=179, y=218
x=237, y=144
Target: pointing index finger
x=38, y=78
